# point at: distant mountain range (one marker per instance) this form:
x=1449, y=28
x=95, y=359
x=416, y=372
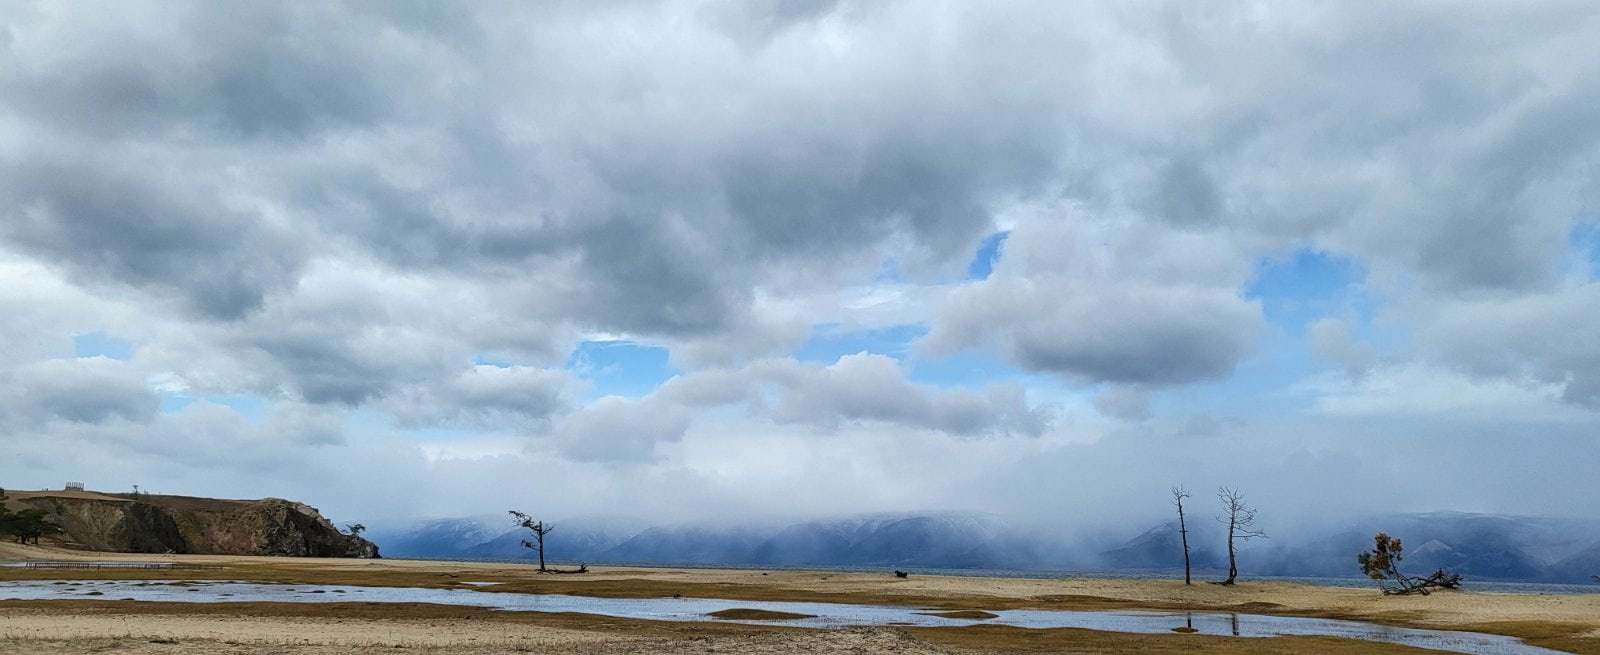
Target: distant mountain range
x=962, y=541
x=1479, y=546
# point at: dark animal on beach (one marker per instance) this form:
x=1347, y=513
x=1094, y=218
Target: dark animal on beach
x=901, y=574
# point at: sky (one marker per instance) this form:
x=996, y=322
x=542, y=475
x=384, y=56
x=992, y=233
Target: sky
x=718, y=260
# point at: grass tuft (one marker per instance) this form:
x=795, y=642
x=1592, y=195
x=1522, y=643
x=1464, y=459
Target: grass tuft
x=746, y=614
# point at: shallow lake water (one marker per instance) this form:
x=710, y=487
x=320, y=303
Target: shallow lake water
x=825, y=615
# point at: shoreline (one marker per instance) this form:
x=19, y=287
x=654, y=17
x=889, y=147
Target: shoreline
x=1510, y=587
x=1563, y=622
x=12, y=554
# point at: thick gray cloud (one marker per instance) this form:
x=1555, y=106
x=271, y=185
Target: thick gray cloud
x=352, y=335
x=1548, y=338
x=489, y=397
x=860, y=388
x=339, y=210
x=866, y=387
x=655, y=218
x=248, y=71
x=654, y=190
x=1331, y=340
x=85, y=390
x=1099, y=301
x=1127, y=403
x=42, y=312
x=620, y=429
x=170, y=233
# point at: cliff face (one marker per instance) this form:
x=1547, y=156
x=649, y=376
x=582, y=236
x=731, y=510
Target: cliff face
x=178, y=524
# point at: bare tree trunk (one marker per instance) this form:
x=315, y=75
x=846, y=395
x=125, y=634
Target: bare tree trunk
x=1241, y=526
x=1178, y=494
x=539, y=530
x=1233, y=560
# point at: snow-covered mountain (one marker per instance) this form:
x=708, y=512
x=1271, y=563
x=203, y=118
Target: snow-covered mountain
x=579, y=539
x=1161, y=548
x=438, y=537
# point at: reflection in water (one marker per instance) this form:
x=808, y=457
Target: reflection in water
x=823, y=615
x=1188, y=624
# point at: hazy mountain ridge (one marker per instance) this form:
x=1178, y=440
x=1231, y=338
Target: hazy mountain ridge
x=572, y=539
x=926, y=540
x=454, y=537
x=1161, y=547
x=494, y=536
x=1480, y=546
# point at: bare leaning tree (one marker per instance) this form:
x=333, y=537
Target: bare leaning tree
x=1241, y=521
x=1178, y=494
x=539, y=530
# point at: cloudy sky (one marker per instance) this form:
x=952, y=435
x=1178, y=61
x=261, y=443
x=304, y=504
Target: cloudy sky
x=768, y=258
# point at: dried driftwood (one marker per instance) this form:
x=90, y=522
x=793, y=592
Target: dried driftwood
x=1441, y=579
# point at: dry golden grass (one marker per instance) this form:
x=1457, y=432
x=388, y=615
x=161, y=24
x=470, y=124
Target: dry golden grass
x=76, y=495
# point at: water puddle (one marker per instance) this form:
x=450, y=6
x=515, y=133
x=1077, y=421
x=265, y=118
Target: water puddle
x=820, y=615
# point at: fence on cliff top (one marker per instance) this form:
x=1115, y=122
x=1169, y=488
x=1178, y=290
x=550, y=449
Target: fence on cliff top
x=159, y=566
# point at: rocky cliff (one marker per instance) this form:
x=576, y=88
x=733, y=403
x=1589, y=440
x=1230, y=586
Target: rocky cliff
x=147, y=523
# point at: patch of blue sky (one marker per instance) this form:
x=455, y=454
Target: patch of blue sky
x=439, y=434
x=1311, y=285
x=1294, y=292
x=1297, y=290
x=988, y=254
x=971, y=369
x=828, y=342
x=101, y=344
x=1268, y=383
x=172, y=403
x=368, y=421
x=253, y=408
x=1583, y=250
x=889, y=272
x=489, y=360
x=620, y=368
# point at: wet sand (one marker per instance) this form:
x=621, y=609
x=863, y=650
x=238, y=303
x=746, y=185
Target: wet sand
x=1569, y=623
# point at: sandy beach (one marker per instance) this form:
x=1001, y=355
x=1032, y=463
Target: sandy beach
x=1569, y=623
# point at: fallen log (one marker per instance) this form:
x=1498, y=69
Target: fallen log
x=1441, y=579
